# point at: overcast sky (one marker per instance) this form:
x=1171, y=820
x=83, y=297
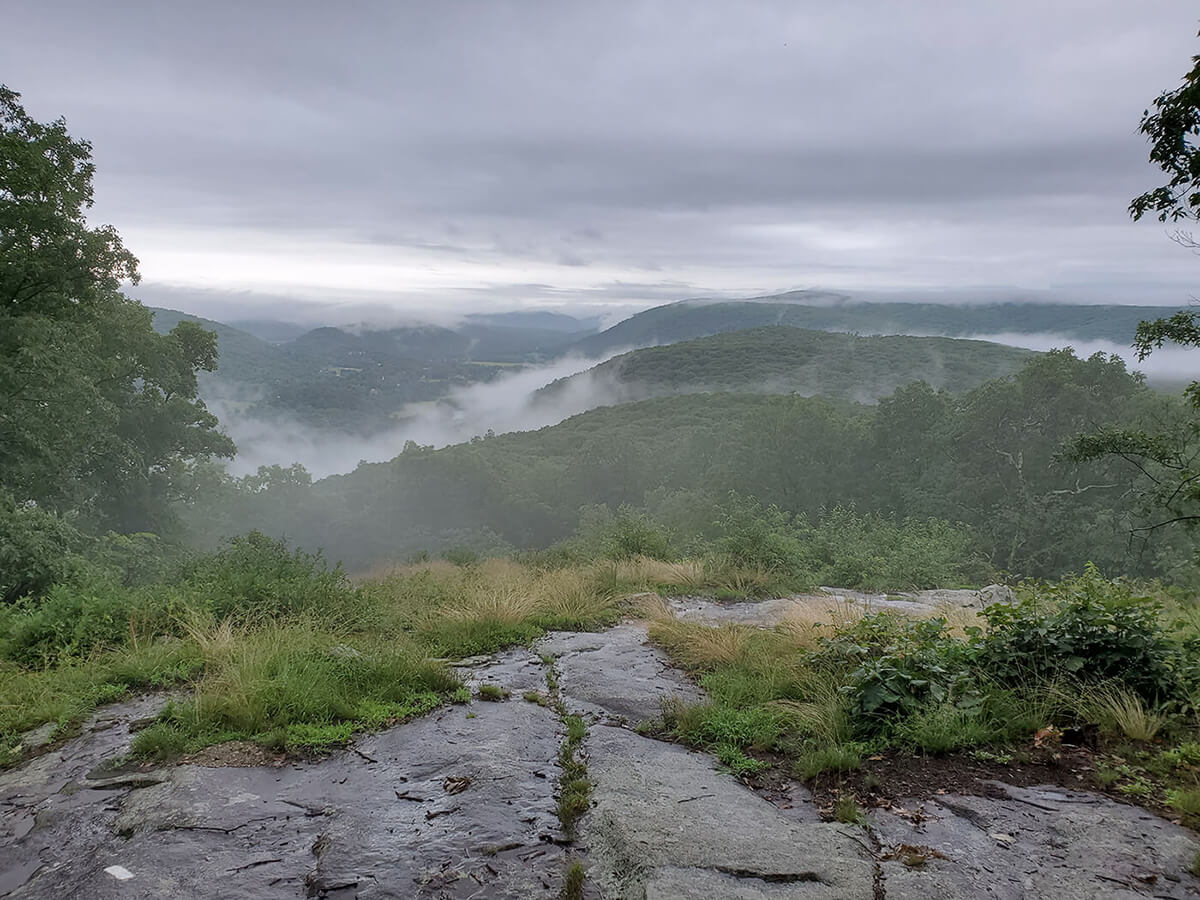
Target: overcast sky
x=441, y=155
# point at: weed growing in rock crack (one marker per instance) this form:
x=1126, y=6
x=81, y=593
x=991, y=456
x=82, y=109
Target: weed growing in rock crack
x=913, y=856
x=575, y=790
x=847, y=811
x=536, y=697
x=573, y=882
x=493, y=693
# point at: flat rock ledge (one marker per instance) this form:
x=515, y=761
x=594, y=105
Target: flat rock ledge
x=462, y=804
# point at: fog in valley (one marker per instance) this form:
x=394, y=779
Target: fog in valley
x=507, y=403
x=514, y=401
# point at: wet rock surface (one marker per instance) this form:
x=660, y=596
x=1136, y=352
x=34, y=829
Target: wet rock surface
x=457, y=804
x=615, y=675
x=806, y=607
x=668, y=823
x=462, y=803
x=1033, y=842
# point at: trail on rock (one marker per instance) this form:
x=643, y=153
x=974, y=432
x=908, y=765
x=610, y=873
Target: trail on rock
x=462, y=803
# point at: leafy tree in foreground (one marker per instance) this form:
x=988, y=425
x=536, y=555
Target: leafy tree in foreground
x=1167, y=455
x=99, y=415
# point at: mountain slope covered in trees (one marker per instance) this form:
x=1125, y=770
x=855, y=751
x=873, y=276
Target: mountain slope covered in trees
x=990, y=458
x=697, y=318
x=779, y=359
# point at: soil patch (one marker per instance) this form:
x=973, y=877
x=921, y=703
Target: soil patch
x=889, y=779
x=235, y=754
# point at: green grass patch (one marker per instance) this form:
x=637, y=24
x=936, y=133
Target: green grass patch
x=573, y=882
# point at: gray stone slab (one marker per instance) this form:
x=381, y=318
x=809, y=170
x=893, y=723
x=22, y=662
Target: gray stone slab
x=1037, y=843
x=666, y=822
x=616, y=674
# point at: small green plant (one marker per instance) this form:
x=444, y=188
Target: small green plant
x=737, y=761
x=991, y=756
x=834, y=758
x=461, y=694
x=1186, y=802
x=573, y=882
x=493, y=693
x=574, y=788
x=847, y=811
x=536, y=697
x=1138, y=787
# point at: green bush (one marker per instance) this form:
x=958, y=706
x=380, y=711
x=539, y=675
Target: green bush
x=878, y=553
x=628, y=533
x=137, y=559
x=37, y=550
x=77, y=618
x=755, y=536
x=898, y=664
x=1083, y=628
x=257, y=576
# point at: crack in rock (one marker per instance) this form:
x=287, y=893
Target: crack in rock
x=772, y=877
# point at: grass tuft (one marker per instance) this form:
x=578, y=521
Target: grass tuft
x=573, y=882
x=1120, y=710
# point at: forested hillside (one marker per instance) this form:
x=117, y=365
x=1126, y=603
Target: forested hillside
x=358, y=381
x=991, y=458
x=694, y=318
x=779, y=359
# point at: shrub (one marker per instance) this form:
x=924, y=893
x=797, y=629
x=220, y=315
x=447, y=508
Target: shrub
x=78, y=617
x=256, y=576
x=754, y=536
x=37, y=550
x=627, y=534
x=878, y=553
x=900, y=664
x=1082, y=627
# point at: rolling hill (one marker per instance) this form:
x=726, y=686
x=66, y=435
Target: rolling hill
x=779, y=359
x=696, y=318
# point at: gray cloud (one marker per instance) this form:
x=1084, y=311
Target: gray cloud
x=723, y=147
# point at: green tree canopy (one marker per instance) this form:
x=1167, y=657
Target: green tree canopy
x=99, y=415
x=1166, y=452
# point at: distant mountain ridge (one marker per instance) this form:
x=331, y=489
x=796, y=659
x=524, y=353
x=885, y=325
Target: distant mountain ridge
x=781, y=359
x=826, y=311
x=359, y=379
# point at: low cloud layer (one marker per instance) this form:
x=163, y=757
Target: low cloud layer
x=512, y=402
x=465, y=156
x=507, y=403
